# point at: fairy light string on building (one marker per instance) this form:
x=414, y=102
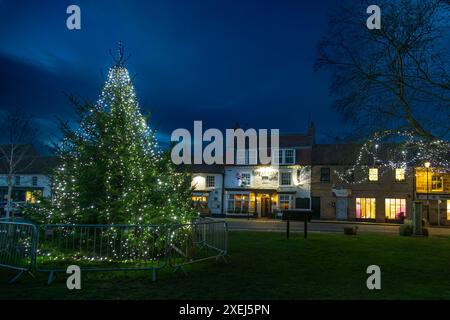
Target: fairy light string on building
x=410, y=153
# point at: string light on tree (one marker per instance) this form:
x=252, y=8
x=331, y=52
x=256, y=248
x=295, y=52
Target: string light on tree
x=111, y=169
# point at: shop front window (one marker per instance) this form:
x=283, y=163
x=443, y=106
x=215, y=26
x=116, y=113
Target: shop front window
x=241, y=203
x=284, y=201
x=199, y=201
x=448, y=209
x=395, y=208
x=365, y=208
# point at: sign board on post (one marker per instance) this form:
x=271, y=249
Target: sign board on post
x=342, y=193
x=304, y=216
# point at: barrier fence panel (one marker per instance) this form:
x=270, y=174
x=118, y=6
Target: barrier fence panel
x=17, y=246
x=101, y=248
x=52, y=248
x=202, y=240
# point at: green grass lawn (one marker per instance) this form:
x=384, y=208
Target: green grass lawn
x=267, y=266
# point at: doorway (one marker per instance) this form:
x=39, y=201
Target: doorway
x=265, y=205
x=315, y=207
x=341, y=208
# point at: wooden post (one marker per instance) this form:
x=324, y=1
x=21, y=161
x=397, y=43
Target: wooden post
x=417, y=218
x=287, y=226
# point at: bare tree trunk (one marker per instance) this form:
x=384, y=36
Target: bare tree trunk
x=16, y=153
x=9, y=196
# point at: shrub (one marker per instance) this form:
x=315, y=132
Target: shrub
x=406, y=229
x=351, y=230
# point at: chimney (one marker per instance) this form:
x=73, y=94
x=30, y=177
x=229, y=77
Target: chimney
x=312, y=132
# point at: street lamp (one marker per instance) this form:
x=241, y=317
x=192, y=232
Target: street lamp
x=427, y=165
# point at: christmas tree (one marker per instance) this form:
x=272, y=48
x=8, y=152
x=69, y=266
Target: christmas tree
x=111, y=170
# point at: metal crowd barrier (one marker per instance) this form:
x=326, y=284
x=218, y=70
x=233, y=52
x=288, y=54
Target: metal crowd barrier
x=52, y=248
x=101, y=248
x=199, y=241
x=18, y=247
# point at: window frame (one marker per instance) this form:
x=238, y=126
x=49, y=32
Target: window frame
x=322, y=174
x=370, y=174
x=284, y=201
x=403, y=174
x=364, y=205
x=394, y=203
x=249, y=175
x=448, y=209
x=199, y=201
x=245, y=197
x=441, y=182
x=285, y=157
x=208, y=180
x=280, y=158
x=281, y=178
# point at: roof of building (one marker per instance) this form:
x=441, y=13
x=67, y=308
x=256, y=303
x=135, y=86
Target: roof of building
x=292, y=140
x=25, y=149
x=335, y=154
x=348, y=153
x=31, y=165
x=201, y=168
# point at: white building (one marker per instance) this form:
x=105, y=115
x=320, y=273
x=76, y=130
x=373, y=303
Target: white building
x=207, y=182
x=27, y=183
x=258, y=190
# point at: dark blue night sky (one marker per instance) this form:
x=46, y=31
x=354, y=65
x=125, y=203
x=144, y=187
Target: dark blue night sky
x=223, y=62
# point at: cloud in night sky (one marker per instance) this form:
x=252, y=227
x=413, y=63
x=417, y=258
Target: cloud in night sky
x=223, y=62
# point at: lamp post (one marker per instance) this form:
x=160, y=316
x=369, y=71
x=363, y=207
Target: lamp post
x=427, y=165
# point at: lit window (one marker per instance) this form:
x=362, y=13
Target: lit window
x=395, y=208
x=448, y=209
x=241, y=203
x=210, y=181
x=284, y=201
x=286, y=178
x=400, y=174
x=373, y=174
x=199, y=201
x=437, y=183
x=30, y=196
x=365, y=208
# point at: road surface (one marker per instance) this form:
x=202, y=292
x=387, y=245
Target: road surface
x=235, y=224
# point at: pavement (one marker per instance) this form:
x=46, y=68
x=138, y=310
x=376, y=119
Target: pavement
x=272, y=225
